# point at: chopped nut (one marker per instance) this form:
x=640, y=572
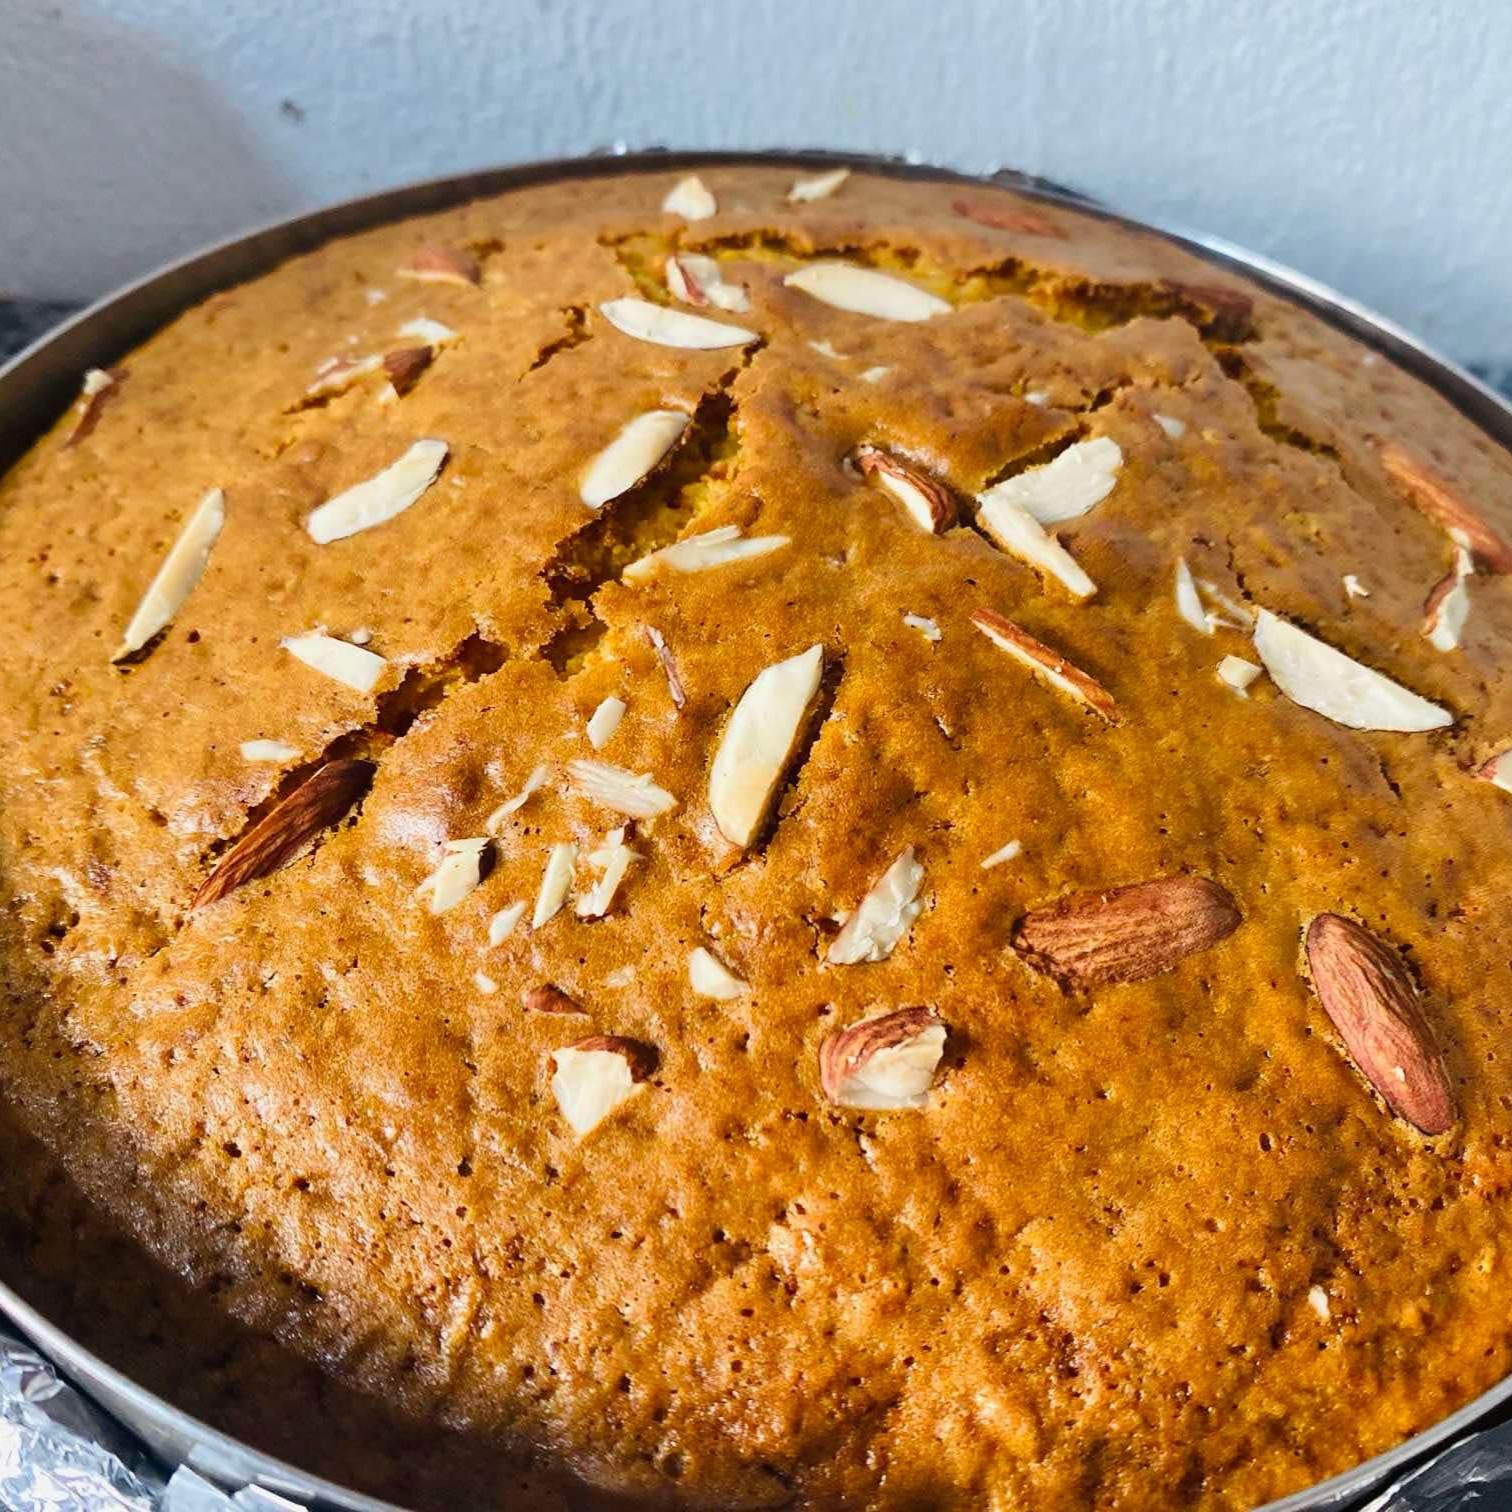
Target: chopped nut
x=604, y=722
x=503, y=923
x=339, y=660
x=1009, y=852
x=929, y=502
x=826, y=349
x=1354, y=587
x=1173, y=427
x=1448, y=606
x=430, y=332
x=100, y=386
x=549, y=998
x=883, y=916
x=1238, y=674
x=629, y=793
x=806, y=190
x=484, y=983
x=380, y=497
x=883, y=1063
x=690, y=199
x=925, y=626
x=439, y=264
x=698, y=553
x=698, y=280
x=711, y=978
x=337, y=374
x=1317, y=1299
x=175, y=580
x=1082, y=476
x=1050, y=665
x=864, y=291
x=645, y=321
x=458, y=875
x=1497, y=771
x=758, y=742
x=537, y=780
x=668, y=665
x=875, y=374
x=615, y=859
x=595, y=1076
x=405, y=366
x=1189, y=602
x=1012, y=527
x=268, y=750
x=636, y=451
x=556, y=880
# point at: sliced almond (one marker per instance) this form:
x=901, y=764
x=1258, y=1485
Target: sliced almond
x=1433, y=496
x=268, y=750
x=337, y=374
x=1066, y=488
x=100, y=386
x=503, y=923
x=709, y=977
x=1368, y=993
x=1317, y=1299
x=1354, y=588
x=1010, y=852
x=929, y=502
x=533, y=783
x=885, y=1062
x=461, y=869
x=319, y=802
x=883, y=916
x=380, y=497
x=1497, y=771
x=827, y=349
x=1173, y=427
x=1126, y=933
x=556, y=881
x=864, y=291
x=1236, y=673
x=672, y=328
x=875, y=374
x=691, y=199
x=1448, y=606
x=664, y=655
x=1050, y=665
x=759, y=741
x=339, y=660
x=699, y=553
x=441, y=264
x=699, y=280
x=1001, y=216
x=924, y=625
x=614, y=859
x=821, y=186
x=175, y=580
x=1189, y=601
x=1315, y=675
x=428, y=332
x=404, y=367
x=604, y=722
x=635, y=451
x=630, y=793
x=549, y=998
x=597, y=1075
x=485, y=983
x=1014, y=529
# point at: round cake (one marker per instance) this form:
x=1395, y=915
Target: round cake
x=773, y=839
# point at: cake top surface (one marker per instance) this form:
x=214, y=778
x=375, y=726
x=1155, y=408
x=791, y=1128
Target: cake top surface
x=815, y=848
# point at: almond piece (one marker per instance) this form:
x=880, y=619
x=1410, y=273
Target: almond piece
x=691, y=199
x=759, y=741
x=883, y=1063
x=549, y=998
x=1004, y=217
x=556, y=881
x=268, y=750
x=709, y=977
x=533, y=783
x=380, y=497
x=1067, y=487
x=1433, y=496
x=821, y=186
x=630, y=793
x=1236, y=673
x=1497, y=771
x=1017, y=532
x=1189, y=601
x=337, y=374
x=1126, y=933
x=1050, y=665
x=883, y=916
x=427, y=332
x=100, y=386
x=699, y=280
x=175, y=580
x=699, y=553
x=1318, y=677
x=503, y=923
x=320, y=801
x=1448, y=606
x=864, y=291
x=1368, y=993
x=1010, y=852
x=929, y=502
x=604, y=722
x=1354, y=588
x=664, y=655
x=614, y=857
x=596, y=1075
x=461, y=870
x=405, y=366
x=636, y=450
x=485, y=983
x=340, y=660
x=925, y=626
x=1175, y=429
x=644, y=321
x=435, y=263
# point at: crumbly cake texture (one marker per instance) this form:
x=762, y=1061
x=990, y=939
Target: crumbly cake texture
x=1161, y=1161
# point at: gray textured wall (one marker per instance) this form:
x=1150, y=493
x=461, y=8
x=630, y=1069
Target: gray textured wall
x=1368, y=142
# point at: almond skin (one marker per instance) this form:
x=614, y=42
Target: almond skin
x=640, y=1058
x=1126, y=933
x=846, y=1053
x=933, y=504
x=1431, y=495
x=549, y=998
x=440, y=264
x=315, y=805
x=93, y=404
x=1368, y=993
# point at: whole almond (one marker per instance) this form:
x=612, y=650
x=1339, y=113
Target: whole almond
x=315, y=805
x=1368, y=993
x=1433, y=497
x=1126, y=933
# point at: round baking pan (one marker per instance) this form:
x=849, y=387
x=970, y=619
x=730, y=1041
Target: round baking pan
x=42, y=381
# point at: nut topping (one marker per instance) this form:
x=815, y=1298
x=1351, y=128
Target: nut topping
x=1448, y=606
x=1013, y=528
x=462, y=868
x=698, y=553
x=596, y=1075
x=604, y=722
x=1236, y=673
x=556, y=881
x=1048, y=664
x=930, y=503
x=691, y=199
x=440, y=264
x=549, y=998
x=806, y=190
x=341, y=661
x=883, y=916
x=883, y=1063
x=1433, y=496
x=1066, y=488
x=864, y=291
x=709, y=977
x=636, y=451
x=630, y=793
x=405, y=366
x=380, y=497
x=660, y=326
x=175, y=580
x=668, y=662
x=101, y=385
x=698, y=280
x=1497, y=771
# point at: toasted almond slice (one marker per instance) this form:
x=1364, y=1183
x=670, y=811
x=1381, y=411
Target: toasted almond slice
x=633, y=794
x=605, y=721
x=669, y=667
x=1066, y=488
x=864, y=291
x=1050, y=665
x=1173, y=427
x=806, y=190
x=268, y=750
x=1013, y=528
x=427, y=332
x=924, y=625
x=597, y=1075
x=503, y=923
x=380, y=497
x=883, y=1063
x=759, y=741
x=1009, y=852
x=635, y=451
x=711, y=978
x=929, y=502
x=883, y=916
x=1432, y=495
x=1315, y=675
x=1317, y=1299
x=485, y=983
x=1238, y=674
x=283, y=832
x=691, y=199
x=175, y=580
x=337, y=374
x=1369, y=995
x=1189, y=601
x=461, y=870
x=100, y=386
x=875, y=374
x=826, y=349
x=556, y=880
x=672, y=328
x=1448, y=606
x=1037, y=397
x=615, y=860
x=533, y=783
x=404, y=367
x=440, y=264
x=1497, y=771
x=699, y=280
x=698, y=553
x=1354, y=588
x=339, y=660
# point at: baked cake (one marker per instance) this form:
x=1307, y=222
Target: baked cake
x=770, y=839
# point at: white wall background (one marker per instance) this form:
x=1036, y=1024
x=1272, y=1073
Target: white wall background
x=1368, y=142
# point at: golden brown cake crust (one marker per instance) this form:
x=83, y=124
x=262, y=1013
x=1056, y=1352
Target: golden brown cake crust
x=1151, y=1238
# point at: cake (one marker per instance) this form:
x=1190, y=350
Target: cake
x=772, y=839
